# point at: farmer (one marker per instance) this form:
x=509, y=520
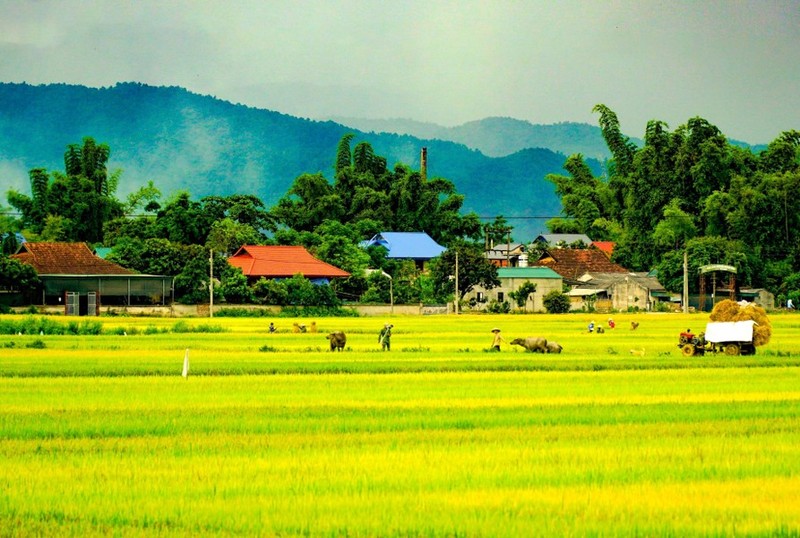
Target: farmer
x=497, y=339
x=272, y=327
x=385, y=337
x=611, y=323
x=591, y=326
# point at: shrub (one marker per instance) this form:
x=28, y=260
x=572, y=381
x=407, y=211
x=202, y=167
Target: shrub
x=556, y=302
x=499, y=308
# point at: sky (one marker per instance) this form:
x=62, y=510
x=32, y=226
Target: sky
x=734, y=63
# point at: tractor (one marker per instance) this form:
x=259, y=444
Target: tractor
x=729, y=337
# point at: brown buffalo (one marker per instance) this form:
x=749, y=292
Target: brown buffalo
x=533, y=344
x=554, y=347
x=338, y=340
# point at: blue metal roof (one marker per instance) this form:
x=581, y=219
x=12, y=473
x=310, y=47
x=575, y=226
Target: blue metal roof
x=407, y=245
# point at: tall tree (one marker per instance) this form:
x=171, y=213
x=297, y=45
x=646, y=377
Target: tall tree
x=83, y=197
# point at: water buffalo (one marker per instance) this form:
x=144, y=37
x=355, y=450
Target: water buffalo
x=554, y=347
x=338, y=340
x=532, y=344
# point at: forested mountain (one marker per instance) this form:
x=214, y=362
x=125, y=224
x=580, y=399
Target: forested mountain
x=184, y=141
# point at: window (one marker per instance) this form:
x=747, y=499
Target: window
x=500, y=297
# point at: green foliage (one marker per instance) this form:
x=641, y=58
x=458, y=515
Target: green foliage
x=182, y=327
x=704, y=251
x=495, y=307
x=556, y=302
x=234, y=286
x=33, y=325
x=294, y=291
x=473, y=269
x=522, y=293
x=364, y=189
x=75, y=205
x=686, y=183
x=17, y=276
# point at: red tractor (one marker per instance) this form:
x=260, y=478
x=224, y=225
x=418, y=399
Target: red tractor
x=730, y=337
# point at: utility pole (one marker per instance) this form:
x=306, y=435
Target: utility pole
x=456, y=297
x=211, y=284
x=685, y=280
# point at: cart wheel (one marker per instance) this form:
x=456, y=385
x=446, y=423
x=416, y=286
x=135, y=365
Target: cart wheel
x=731, y=349
x=689, y=350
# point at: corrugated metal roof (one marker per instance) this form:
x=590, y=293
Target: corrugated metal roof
x=526, y=272
x=407, y=245
x=282, y=261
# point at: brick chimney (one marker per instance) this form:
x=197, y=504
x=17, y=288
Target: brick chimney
x=423, y=164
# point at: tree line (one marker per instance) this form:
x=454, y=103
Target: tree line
x=690, y=189
x=330, y=218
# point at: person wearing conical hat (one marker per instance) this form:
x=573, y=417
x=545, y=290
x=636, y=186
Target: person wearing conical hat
x=497, y=339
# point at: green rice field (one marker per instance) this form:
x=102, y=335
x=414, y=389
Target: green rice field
x=275, y=435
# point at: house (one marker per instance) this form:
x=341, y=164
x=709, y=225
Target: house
x=277, y=262
x=508, y=255
x=760, y=296
x=416, y=246
x=618, y=291
x=562, y=240
x=511, y=279
x=572, y=263
x=73, y=276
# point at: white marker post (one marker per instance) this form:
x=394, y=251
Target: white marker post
x=185, y=372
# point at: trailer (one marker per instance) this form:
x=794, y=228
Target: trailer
x=729, y=337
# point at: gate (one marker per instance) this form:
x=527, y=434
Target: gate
x=72, y=303
x=91, y=307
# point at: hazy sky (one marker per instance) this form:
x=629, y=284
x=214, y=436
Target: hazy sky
x=734, y=63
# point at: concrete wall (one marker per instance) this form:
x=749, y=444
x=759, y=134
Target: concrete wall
x=507, y=285
x=202, y=310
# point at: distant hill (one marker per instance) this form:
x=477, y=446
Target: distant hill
x=498, y=137
x=182, y=140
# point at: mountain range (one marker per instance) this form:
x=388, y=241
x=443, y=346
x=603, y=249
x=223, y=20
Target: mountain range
x=185, y=141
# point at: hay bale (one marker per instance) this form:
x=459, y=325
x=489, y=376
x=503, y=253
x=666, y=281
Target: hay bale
x=729, y=310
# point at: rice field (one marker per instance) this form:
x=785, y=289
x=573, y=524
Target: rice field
x=274, y=435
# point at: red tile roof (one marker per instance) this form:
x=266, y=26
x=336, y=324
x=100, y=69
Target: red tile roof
x=573, y=263
x=282, y=261
x=66, y=259
x=605, y=246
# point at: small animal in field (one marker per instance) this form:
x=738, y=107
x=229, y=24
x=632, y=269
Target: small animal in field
x=634, y=325
x=638, y=352
x=532, y=344
x=338, y=340
x=554, y=347
x=600, y=330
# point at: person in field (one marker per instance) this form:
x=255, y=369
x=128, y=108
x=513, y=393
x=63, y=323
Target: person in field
x=272, y=327
x=385, y=337
x=497, y=339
